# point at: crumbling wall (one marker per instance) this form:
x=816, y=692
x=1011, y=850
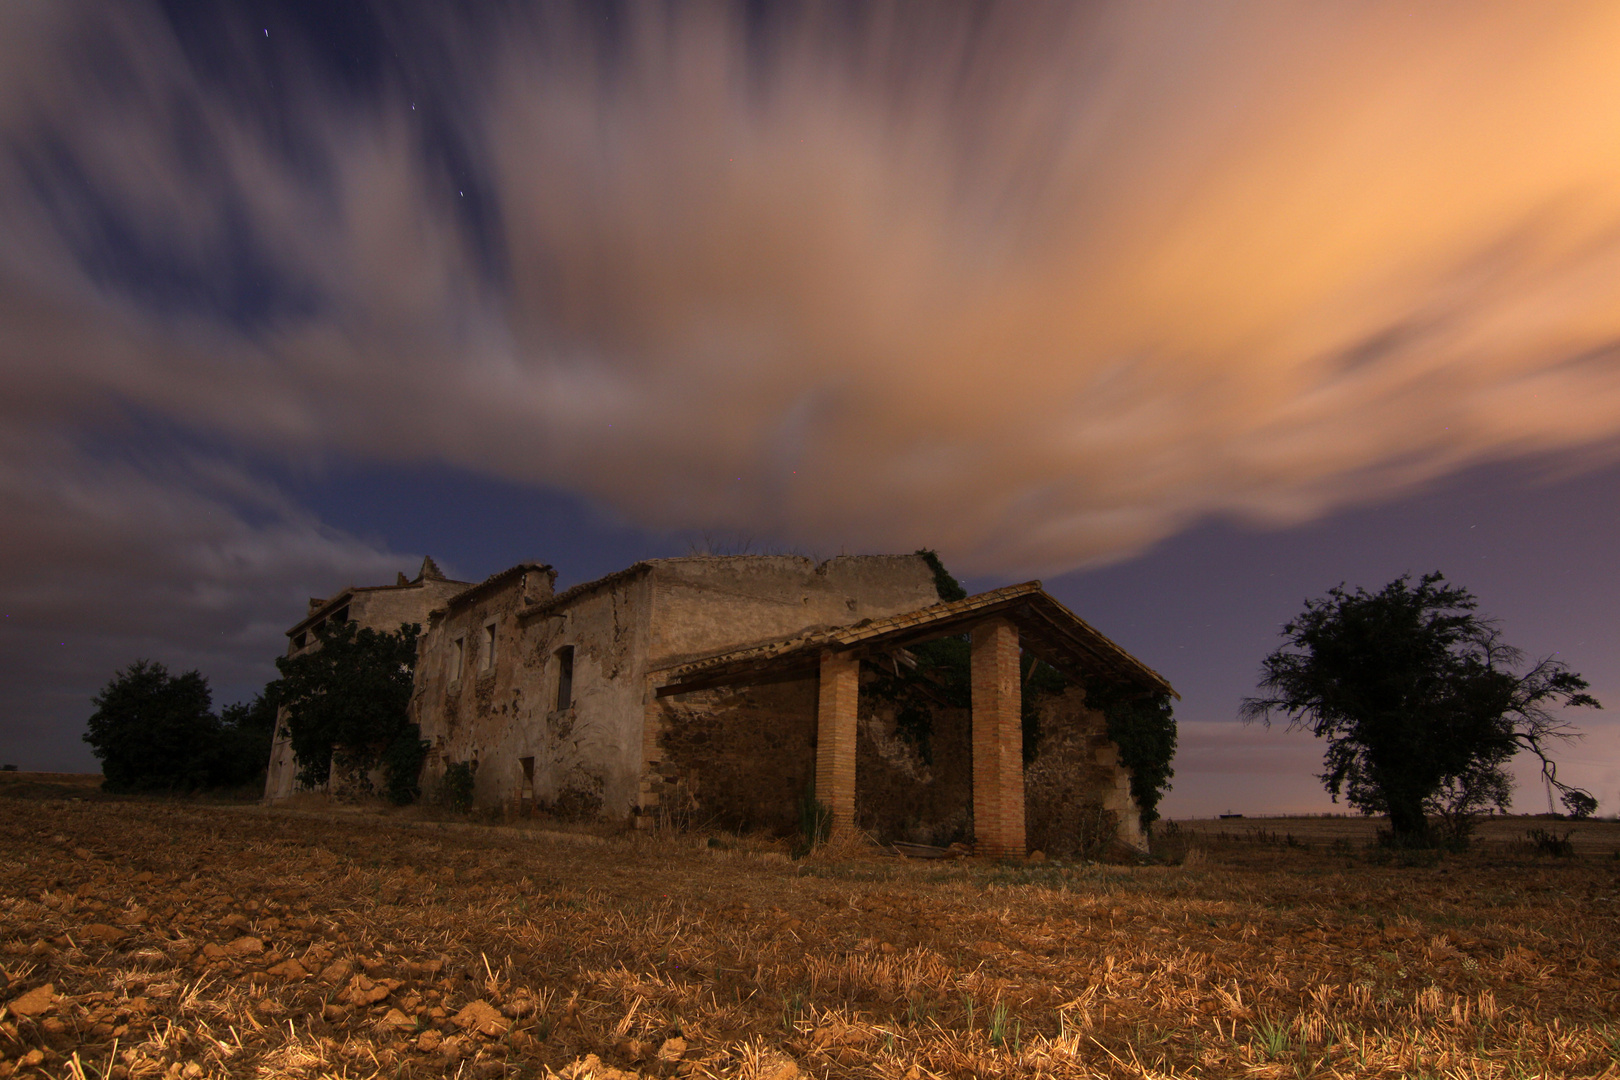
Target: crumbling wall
x=743, y=757
x=1077, y=796
x=903, y=793
x=389, y=608
x=707, y=604
x=579, y=761
x=736, y=758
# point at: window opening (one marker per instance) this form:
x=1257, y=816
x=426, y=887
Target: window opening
x=526, y=796
x=565, y=677
x=486, y=662
x=458, y=656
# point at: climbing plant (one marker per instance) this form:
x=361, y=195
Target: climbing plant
x=348, y=699
x=1142, y=724
x=944, y=584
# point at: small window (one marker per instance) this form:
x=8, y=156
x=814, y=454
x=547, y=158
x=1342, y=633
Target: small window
x=486, y=661
x=458, y=656
x=565, y=677
x=341, y=615
x=300, y=640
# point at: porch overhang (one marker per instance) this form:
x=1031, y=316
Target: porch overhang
x=1046, y=628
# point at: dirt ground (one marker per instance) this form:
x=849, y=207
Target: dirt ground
x=150, y=939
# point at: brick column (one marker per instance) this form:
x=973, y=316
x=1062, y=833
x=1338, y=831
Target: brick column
x=998, y=741
x=835, y=737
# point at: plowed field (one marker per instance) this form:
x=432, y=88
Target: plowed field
x=145, y=939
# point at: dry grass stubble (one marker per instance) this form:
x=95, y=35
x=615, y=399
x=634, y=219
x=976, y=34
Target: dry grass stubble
x=149, y=940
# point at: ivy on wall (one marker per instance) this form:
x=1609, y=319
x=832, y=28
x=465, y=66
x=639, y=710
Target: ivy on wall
x=1140, y=722
x=1143, y=725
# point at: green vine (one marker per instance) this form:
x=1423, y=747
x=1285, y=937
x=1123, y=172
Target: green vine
x=1143, y=726
x=1140, y=722
x=945, y=585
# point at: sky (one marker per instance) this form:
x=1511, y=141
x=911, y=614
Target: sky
x=1191, y=311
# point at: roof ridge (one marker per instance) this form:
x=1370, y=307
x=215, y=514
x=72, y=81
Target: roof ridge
x=1089, y=639
x=573, y=592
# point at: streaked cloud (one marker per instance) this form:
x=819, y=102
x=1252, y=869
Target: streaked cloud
x=1040, y=286
x=177, y=557
x=1037, y=285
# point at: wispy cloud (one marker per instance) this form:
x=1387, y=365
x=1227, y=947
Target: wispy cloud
x=1036, y=285
x=179, y=558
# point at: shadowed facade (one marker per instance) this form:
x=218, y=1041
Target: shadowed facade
x=737, y=691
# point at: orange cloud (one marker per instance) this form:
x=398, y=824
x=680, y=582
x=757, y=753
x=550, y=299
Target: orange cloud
x=1038, y=288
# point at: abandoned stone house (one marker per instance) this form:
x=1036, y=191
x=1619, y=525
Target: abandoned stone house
x=373, y=607
x=731, y=690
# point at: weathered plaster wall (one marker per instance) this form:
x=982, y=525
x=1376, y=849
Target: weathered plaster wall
x=707, y=604
x=584, y=756
x=389, y=609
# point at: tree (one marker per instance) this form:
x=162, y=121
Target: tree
x=149, y=727
x=347, y=699
x=153, y=731
x=1419, y=702
x=241, y=752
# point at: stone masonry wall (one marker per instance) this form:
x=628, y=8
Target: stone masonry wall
x=585, y=758
x=1078, y=796
x=899, y=795
x=742, y=758
x=706, y=604
x=737, y=758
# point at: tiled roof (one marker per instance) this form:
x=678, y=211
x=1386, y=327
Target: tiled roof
x=1049, y=629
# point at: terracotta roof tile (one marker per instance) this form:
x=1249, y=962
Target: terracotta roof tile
x=1027, y=603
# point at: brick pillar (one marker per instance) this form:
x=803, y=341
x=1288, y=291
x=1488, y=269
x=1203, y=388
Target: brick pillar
x=998, y=741
x=835, y=737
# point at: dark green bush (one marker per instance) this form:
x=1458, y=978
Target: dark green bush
x=456, y=789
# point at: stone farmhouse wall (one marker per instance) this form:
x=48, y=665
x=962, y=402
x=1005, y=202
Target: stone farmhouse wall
x=384, y=608
x=1076, y=790
x=501, y=710
x=743, y=758
x=706, y=605
x=738, y=758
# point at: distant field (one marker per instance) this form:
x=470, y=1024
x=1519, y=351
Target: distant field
x=66, y=779
x=1500, y=834
x=48, y=785
x=139, y=939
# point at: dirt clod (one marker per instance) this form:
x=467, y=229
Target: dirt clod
x=34, y=1003
x=522, y=957
x=482, y=1017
